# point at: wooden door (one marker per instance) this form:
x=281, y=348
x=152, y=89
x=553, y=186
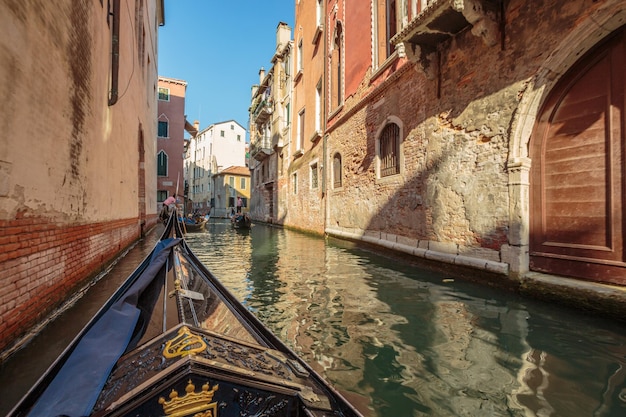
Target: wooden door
x=577, y=174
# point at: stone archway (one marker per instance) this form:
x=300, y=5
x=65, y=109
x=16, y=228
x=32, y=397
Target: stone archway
x=599, y=24
x=577, y=181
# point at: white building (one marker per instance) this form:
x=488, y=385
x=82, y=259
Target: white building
x=214, y=148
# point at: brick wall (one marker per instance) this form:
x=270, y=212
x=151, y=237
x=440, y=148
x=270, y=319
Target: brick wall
x=42, y=263
x=458, y=133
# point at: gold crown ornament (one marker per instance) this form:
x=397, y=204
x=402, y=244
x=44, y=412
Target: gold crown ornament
x=196, y=404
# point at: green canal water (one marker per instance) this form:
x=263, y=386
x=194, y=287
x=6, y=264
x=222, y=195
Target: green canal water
x=394, y=338
x=399, y=340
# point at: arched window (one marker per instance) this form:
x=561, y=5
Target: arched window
x=162, y=164
x=389, y=150
x=336, y=93
x=163, y=130
x=337, y=170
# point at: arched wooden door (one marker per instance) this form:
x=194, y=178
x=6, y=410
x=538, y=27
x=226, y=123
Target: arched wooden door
x=578, y=171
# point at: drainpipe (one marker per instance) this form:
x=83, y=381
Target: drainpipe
x=115, y=52
x=324, y=116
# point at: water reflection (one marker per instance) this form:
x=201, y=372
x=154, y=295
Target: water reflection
x=399, y=340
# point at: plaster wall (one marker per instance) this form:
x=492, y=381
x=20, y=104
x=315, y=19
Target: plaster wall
x=173, y=111
x=304, y=204
x=77, y=175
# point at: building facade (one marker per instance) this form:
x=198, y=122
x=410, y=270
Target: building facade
x=478, y=133
x=270, y=132
x=229, y=185
x=171, y=125
x=213, y=149
x=78, y=185
x=304, y=186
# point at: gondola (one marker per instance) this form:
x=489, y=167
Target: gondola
x=241, y=221
x=195, y=226
x=173, y=341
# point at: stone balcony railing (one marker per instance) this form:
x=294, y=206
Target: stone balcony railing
x=442, y=19
x=262, y=111
x=260, y=148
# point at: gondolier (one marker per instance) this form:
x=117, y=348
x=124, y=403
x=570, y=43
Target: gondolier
x=171, y=200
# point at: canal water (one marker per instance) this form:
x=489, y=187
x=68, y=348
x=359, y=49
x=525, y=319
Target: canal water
x=399, y=340
x=394, y=338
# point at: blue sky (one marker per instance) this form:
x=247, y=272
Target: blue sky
x=218, y=48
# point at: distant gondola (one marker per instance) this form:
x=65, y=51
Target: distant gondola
x=172, y=341
x=196, y=226
x=241, y=221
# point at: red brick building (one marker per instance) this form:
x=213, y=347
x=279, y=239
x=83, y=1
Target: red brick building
x=479, y=133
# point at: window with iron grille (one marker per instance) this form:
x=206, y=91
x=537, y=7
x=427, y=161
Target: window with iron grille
x=390, y=150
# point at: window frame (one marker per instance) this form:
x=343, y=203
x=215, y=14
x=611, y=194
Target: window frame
x=167, y=90
x=337, y=171
x=167, y=128
x=294, y=183
x=336, y=68
x=392, y=129
x=162, y=195
x=313, y=175
x=162, y=162
x=318, y=106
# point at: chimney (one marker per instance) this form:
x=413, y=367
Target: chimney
x=283, y=35
x=196, y=125
x=261, y=75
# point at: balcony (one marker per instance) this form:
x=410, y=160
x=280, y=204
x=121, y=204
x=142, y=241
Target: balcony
x=260, y=149
x=262, y=110
x=443, y=19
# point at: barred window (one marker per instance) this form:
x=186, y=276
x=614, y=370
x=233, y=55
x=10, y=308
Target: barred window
x=390, y=150
x=337, y=171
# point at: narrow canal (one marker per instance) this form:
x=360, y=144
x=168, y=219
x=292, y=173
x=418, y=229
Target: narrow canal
x=401, y=341
x=395, y=339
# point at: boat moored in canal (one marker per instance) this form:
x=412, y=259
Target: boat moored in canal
x=173, y=341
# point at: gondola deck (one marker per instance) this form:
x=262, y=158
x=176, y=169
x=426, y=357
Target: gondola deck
x=172, y=341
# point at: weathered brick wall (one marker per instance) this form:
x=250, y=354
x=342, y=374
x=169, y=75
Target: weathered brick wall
x=305, y=210
x=42, y=262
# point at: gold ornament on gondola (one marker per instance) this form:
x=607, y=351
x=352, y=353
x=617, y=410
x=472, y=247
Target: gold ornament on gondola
x=196, y=404
x=185, y=343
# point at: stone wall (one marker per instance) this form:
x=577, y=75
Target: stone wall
x=461, y=144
